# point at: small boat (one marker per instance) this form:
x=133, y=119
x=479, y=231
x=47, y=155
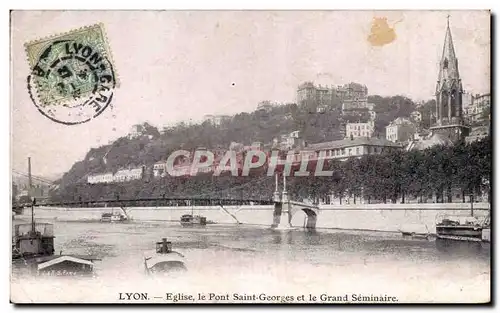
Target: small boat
x=164, y=260
x=413, y=235
x=409, y=234
x=115, y=216
x=189, y=220
x=463, y=228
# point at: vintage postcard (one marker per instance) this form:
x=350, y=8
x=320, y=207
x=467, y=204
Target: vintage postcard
x=320, y=157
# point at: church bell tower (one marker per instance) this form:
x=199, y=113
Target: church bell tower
x=449, y=111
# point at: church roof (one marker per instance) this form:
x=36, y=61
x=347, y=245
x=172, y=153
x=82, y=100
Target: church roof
x=449, y=76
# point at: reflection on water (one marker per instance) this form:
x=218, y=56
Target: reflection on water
x=247, y=259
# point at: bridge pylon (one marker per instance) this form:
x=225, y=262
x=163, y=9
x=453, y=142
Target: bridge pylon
x=284, y=209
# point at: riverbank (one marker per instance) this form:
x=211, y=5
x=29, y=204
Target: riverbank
x=415, y=217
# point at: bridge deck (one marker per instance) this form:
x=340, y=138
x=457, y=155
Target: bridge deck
x=145, y=202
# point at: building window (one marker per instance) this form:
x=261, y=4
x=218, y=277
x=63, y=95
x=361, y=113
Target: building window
x=350, y=151
x=357, y=150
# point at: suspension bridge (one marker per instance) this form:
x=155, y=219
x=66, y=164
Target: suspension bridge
x=37, y=179
x=284, y=206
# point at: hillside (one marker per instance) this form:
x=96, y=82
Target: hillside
x=261, y=126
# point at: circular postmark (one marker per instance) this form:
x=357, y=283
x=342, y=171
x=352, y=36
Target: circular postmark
x=72, y=81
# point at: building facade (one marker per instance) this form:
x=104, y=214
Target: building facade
x=400, y=130
x=128, y=174
x=326, y=96
x=479, y=109
x=100, y=178
x=355, y=130
x=346, y=148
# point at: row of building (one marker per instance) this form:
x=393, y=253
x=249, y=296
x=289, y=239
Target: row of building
x=122, y=175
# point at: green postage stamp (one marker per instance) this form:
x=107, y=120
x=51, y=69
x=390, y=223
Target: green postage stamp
x=72, y=76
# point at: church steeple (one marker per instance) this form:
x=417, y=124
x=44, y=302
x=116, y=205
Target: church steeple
x=449, y=85
x=448, y=66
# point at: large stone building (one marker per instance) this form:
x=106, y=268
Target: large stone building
x=309, y=93
x=346, y=148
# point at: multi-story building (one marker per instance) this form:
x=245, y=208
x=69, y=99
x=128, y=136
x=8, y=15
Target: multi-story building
x=400, y=130
x=216, y=120
x=478, y=110
x=160, y=169
x=352, y=91
x=265, y=105
x=357, y=105
x=100, y=178
x=340, y=149
x=356, y=147
x=288, y=141
x=355, y=130
x=326, y=95
x=128, y=174
x=306, y=92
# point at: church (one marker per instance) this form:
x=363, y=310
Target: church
x=449, y=127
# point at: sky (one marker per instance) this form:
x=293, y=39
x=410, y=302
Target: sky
x=180, y=65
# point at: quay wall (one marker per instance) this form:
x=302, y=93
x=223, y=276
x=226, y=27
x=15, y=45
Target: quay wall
x=412, y=217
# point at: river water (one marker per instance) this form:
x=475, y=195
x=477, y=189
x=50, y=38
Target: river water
x=236, y=263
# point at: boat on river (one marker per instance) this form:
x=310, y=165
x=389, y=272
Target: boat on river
x=33, y=251
x=115, y=216
x=188, y=220
x=464, y=228
x=164, y=259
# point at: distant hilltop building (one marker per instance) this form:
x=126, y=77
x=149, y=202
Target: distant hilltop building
x=308, y=92
x=352, y=106
x=137, y=131
x=216, y=120
x=265, y=105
